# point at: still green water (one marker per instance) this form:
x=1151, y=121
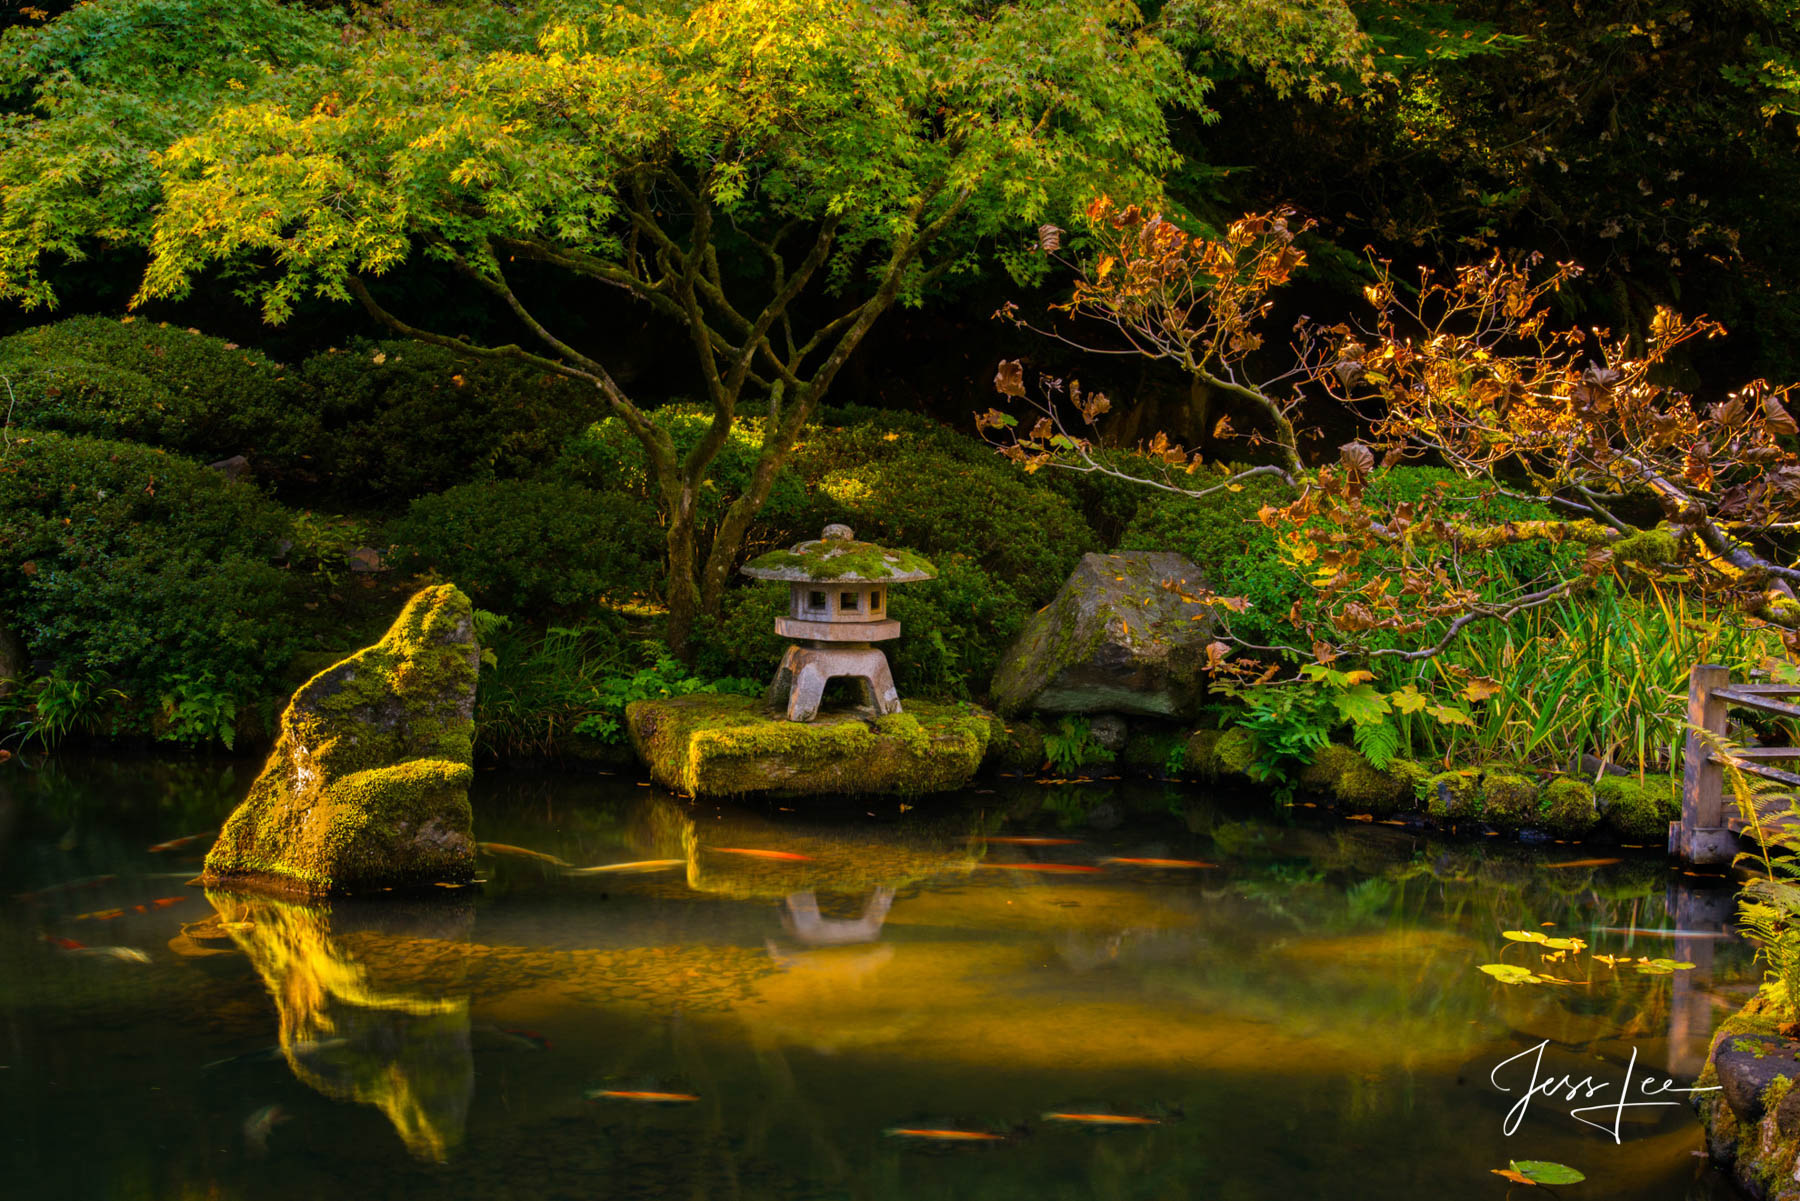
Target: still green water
x=1302, y=1017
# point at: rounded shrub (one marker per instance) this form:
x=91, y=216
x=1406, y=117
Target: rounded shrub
x=907, y=481
x=521, y=546
x=404, y=419
x=140, y=567
x=158, y=384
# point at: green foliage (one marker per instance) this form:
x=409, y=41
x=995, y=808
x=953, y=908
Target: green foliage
x=527, y=547
x=1241, y=556
x=403, y=419
x=1602, y=673
x=536, y=690
x=1071, y=746
x=47, y=709
x=605, y=456
x=157, y=384
x=142, y=569
x=110, y=85
x=663, y=677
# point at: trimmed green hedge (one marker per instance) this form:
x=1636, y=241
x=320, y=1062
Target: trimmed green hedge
x=140, y=566
x=404, y=419
x=518, y=546
x=160, y=385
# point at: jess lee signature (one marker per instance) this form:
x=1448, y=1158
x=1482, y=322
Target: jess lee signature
x=1585, y=1089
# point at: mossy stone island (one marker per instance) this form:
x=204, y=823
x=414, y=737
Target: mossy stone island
x=837, y=608
x=713, y=746
x=368, y=784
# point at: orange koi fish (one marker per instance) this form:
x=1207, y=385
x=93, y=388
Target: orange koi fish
x=1586, y=863
x=1162, y=862
x=501, y=848
x=642, y=865
x=1103, y=1119
x=99, y=915
x=165, y=902
x=177, y=843
x=756, y=854
x=954, y=1136
x=63, y=944
x=615, y=1094
x=1066, y=868
x=1022, y=840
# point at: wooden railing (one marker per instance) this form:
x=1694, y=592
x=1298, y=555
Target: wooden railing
x=1706, y=833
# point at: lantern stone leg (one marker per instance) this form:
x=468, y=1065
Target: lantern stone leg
x=800, y=680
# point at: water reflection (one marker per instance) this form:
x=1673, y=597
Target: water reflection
x=1306, y=1017
x=367, y=1004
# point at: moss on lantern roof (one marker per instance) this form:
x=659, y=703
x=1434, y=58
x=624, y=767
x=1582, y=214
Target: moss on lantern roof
x=837, y=558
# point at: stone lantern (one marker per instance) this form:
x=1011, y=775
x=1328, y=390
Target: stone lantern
x=837, y=607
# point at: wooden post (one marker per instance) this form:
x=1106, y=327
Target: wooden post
x=1703, y=836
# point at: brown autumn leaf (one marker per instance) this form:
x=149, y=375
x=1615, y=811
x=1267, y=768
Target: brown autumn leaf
x=1356, y=457
x=1776, y=418
x=1480, y=689
x=1515, y=1177
x=1010, y=378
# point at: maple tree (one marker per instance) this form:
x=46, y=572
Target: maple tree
x=769, y=177
x=1466, y=370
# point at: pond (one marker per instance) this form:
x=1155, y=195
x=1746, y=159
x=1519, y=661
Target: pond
x=1104, y=989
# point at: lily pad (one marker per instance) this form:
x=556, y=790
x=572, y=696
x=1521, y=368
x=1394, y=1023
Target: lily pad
x=1540, y=1171
x=1509, y=973
x=1525, y=935
x=1662, y=967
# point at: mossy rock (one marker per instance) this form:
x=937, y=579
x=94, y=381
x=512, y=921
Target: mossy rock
x=1016, y=745
x=706, y=745
x=1235, y=752
x=368, y=784
x=1566, y=808
x=1200, y=763
x=1115, y=640
x=1509, y=799
x=1761, y=1153
x=1639, y=810
x=1454, y=794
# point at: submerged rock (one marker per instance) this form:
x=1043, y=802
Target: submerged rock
x=706, y=745
x=367, y=786
x=1115, y=640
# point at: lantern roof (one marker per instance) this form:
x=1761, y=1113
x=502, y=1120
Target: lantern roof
x=835, y=557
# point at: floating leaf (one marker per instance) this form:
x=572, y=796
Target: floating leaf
x=1662, y=967
x=1539, y=1171
x=1525, y=935
x=1515, y=1177
x=1509, y=973
x=1562, y=944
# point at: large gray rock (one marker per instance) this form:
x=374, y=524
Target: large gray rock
x=1747, y=1065
x=1115, y=640
x=368, y=784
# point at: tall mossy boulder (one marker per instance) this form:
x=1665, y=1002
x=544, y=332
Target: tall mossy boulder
x=1121, y=637
x=368, y=784
x=712, y=746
